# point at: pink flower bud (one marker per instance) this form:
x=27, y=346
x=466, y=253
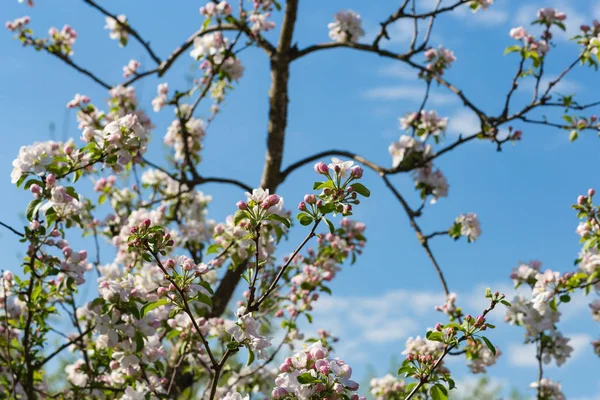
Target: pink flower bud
x=161, y=291
x=591, y=192
x=302, y=206
x=67, y=251
x=284, y=367
x=241, y=205
x=310, y=199
x=114, y=364
x=321, y=168
x=34, y=225
x=581, y=200
x=147, y=222
x=279, y=313
x=438, y=327
x=83, y=254
x=356, y=172
x=51, y=179
x=278, y=392
x=273, y=200
x=35, y=189
x=170, y=263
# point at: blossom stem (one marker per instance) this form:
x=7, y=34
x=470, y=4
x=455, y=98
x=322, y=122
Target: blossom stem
x=273, y=285
x=186, y=307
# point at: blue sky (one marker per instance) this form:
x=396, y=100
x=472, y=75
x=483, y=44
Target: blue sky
x=349, y=100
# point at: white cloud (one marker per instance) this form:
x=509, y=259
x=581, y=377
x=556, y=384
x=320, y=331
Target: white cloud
x=489, y=18
x=400, y=32
x=463, y=122
x=522, y=355
x=397, y=70
x=389, y=317
x=414, y=94
x=391, y=331
x=565, y=86
x=465, y=386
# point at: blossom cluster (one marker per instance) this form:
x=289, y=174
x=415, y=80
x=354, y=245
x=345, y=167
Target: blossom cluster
x=439, y=60
x=118, y=29
x=466, y=225
x=311, y=372
x=346, y=27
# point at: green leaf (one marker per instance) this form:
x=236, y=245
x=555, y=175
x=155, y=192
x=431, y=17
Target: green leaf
x=21, y=180
x=51, y=216
x=205, y=24
x=275, y=217
x=327, y=208
x=451, y=384
x=233, y=345
x=506, y=303
x=330, y=225
x=71, y=192
x=438, y=392
x=173, y=334
x=307, y=378
x=204, y=299
x=32, y=208
x=250, y=357
x=37, y=290
x=512, y=49
x=304, y=218
x=406, y=369
x=238, y=216
x=206, y=286
x=565, y=298
x=361, y=189
x=326, y=289
x=435, y=336
x=139, y=341
x=146, y=308
x=213, y=248
x=97, y=302
x=489, y=345
x=323, y=185
x=573, y=136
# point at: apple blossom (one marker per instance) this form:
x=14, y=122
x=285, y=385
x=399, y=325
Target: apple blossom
x=347, y=27
x=118, y=29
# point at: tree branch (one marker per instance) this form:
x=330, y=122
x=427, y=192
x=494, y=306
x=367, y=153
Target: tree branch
x=128, y=28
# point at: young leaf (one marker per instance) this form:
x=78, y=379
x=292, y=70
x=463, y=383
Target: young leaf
x=146, y=308
x=330, y=225
x=361, y=189
x=489, y=345
x=438, y=392
x=307, y=378
x=250, y=357
x=238, y=216
x=32, y=208
x=275, y=217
